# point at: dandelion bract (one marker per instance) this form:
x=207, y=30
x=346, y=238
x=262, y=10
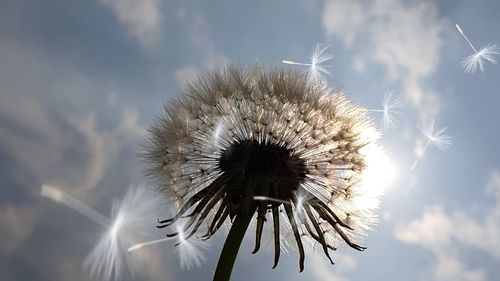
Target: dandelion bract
x=251, y=144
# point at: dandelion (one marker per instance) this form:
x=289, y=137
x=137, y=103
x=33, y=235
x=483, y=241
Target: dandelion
x=287, y=156
x=129, y=222
x=390, y=113
x=437, y=138
x=478, y=59
x=317, y=71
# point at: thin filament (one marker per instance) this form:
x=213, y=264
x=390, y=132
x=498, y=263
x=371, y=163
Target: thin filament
x=420, y=156
x=467, y=39
x=296, y=63
x=147, y=243
x=75, y=204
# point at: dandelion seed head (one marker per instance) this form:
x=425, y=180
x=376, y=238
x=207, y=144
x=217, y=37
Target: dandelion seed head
x=285, y=147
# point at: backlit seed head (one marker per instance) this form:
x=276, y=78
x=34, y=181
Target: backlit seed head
x=267, y=143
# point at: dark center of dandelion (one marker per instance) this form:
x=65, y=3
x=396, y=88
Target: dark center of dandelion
x=260, y=169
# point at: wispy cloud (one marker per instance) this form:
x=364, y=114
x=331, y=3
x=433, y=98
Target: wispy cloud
x=16, y=224
x=41, y=146
x=186, y=73
x=444, y=233
x=143, y=19
x=197, y=29
x=323, y=270
x=392, y=33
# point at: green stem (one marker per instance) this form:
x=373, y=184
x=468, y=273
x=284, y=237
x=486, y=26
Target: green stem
x=231, y=247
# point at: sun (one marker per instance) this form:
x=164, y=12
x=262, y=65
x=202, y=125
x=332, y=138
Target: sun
x=380, y=171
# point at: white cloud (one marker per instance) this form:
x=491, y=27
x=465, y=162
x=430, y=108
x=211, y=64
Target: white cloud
x=16, y=223
x=43, y=147
x=40, y=130
x=449, y=267
x=432, y=230
x=405, y=38
x=324, y=271
x=186, y=73
x=143, y=18
x=443, y=233
x=197, y=28
x=101, y=147
x=344, y=19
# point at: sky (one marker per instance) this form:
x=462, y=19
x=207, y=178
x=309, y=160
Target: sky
x=81, y=81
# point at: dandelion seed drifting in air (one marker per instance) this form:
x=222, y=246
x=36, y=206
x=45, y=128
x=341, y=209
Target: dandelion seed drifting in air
x=437, y=138
x=477, y=60
x=390, y=112
x=278, y=137
x=317, y=71
x=130, y=222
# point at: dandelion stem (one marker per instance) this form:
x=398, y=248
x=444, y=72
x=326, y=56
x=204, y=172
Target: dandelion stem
x=147, y=243
x=420, y=156
x=295, y=63
x=75, y=204
x=465, y=37
x=231, y=247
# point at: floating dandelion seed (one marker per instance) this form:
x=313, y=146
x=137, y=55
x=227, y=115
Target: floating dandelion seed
x=478, y=59
x=107, y=257
x=317, y=71
x=130, y=220
x=283, y=147
x=439, y=139
x=390, y=112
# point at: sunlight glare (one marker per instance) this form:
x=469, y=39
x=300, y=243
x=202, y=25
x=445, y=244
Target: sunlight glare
x=380, y=171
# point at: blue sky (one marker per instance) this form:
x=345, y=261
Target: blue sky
x=80, y=81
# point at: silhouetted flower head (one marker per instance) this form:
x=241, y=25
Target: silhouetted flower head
x=268, y=144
